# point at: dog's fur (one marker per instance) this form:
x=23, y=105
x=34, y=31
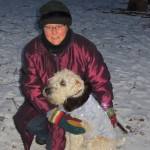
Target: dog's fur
x=68, y=90
x=73, y=103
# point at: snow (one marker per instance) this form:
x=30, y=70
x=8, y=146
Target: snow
x=123, y=40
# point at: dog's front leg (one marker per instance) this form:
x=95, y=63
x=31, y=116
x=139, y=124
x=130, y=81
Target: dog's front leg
x=74, y=142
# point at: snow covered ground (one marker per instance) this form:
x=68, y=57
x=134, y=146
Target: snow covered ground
x=124, y=41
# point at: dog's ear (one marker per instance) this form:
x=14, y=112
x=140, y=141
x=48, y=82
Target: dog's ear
x=73, y=103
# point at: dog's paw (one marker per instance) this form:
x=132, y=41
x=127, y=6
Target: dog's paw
x=120, y=142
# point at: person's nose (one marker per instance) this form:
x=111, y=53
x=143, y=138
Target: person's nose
x=54, y=30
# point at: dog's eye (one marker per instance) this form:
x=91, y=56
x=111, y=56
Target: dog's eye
x=62, y=83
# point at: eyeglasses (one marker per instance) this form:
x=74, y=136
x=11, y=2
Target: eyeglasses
x=59, y=27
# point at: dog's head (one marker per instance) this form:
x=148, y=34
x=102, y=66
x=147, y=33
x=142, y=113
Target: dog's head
x=63, y=85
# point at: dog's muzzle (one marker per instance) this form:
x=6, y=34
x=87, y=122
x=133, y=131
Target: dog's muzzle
x=47, y=91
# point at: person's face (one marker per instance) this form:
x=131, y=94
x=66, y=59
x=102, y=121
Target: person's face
x=55, y=33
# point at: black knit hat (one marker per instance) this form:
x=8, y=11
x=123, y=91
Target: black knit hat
x=54, y=12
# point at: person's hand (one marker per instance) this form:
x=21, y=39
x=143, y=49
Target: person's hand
x=113, y=120
x=112, y=116
x=65, y=121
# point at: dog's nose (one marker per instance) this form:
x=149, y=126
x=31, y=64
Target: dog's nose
x=47, y=91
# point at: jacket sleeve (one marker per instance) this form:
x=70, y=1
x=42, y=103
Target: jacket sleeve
x=32, y=85
x=99, y=77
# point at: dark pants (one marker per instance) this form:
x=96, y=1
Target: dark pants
x=39, y=126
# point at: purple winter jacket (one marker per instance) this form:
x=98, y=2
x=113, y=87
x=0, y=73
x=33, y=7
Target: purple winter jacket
x=82, y=57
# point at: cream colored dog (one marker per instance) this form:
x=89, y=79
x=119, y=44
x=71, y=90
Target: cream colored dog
x=68, y=90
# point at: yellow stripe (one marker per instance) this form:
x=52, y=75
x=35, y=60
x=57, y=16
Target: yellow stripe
x=74, y=123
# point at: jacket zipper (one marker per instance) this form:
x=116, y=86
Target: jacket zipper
x=57, y=62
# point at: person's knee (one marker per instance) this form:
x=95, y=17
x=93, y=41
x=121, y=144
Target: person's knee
x=38, y=125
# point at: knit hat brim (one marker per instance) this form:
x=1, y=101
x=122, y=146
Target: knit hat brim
x=54, y=12
x=55, y=17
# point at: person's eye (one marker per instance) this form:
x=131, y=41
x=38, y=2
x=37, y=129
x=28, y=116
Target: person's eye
x=49, y=28
x=59, y=26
